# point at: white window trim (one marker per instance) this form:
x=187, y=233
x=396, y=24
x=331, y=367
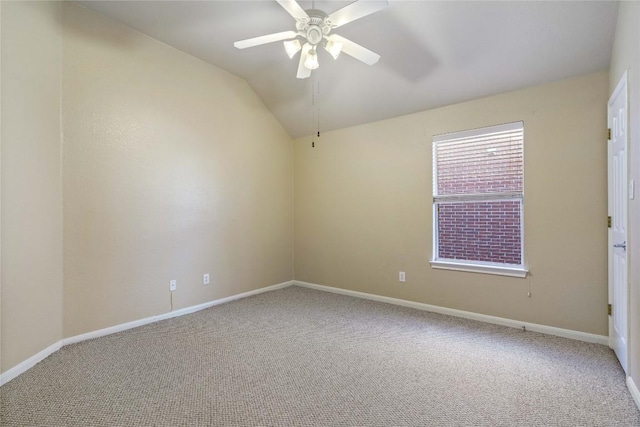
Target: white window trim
x=486, y=268
x=520, y=270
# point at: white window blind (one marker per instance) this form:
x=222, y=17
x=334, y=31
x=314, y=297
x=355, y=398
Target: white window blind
x=481, y=161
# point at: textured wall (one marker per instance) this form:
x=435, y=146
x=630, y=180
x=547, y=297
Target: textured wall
x=364, y=212
x=31, y=181
x=172, y=168
x=626, y=57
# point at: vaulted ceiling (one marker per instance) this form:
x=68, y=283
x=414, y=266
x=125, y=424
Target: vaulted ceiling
x=433, y=53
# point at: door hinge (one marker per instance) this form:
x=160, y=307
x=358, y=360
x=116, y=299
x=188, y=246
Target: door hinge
x=609, y=134
x=609, y=222
x=609, y=310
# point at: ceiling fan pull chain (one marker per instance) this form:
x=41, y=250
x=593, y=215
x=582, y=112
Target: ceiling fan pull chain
x=313, y=111
x=315, y=105
x=318, y=104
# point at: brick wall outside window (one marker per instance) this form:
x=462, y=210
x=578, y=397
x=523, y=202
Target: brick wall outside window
x=480, y=231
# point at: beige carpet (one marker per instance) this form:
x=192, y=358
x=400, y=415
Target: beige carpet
x=298, y=357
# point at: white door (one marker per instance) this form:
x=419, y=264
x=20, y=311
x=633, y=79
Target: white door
x=618, y=193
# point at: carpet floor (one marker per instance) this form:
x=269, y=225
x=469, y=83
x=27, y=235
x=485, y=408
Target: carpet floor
x=300, y=357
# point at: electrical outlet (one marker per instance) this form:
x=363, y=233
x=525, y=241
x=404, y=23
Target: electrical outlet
x=205, y=279
x=401, y=277
x=173, y=285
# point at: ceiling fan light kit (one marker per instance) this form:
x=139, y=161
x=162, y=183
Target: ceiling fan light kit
x=315, y=26
x=292, y=47
x=312, y=59
x=334, y=48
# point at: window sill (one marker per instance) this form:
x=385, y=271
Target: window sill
x=480, y=268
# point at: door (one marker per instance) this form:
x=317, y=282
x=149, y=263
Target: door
x=618, y=185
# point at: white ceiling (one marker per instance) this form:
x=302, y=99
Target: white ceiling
x=434, y=53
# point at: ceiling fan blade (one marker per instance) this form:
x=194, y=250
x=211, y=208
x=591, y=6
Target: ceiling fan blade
x=353, y=49
x=304, y=72
x=356, y=10
x=270, y=38
x=294, y=9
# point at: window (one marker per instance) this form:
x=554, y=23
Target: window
x=478, y=194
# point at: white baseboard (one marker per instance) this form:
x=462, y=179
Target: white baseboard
x=176, y=313
x=633, y=389
x=29, y=363
x=33, y=360
x=549, y=330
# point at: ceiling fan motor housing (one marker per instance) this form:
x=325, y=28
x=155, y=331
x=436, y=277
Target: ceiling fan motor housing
x=316, y=27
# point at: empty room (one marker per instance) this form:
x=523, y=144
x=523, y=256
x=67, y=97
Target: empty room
x=320, y=213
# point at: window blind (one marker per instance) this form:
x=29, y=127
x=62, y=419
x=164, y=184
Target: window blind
x=481, y=161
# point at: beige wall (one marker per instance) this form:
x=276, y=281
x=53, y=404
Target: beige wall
x=172, y=168
x=31, y=181
x=363, y=209
x=626, y=56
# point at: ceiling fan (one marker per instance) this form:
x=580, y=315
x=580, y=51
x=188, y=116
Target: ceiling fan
x=314, y=27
